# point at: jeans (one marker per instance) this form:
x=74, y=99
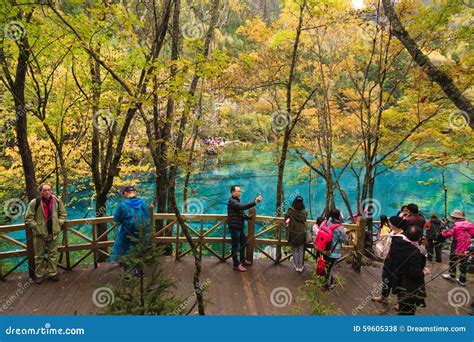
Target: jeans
x=239, y=242
x=298, y=256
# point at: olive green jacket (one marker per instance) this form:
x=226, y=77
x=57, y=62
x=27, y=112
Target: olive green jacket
x=37, y=221
x=297, y=228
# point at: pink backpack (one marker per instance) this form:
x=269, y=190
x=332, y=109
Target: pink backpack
x=323, y=240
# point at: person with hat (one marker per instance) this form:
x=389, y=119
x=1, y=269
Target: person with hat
x=296, y=217
x=132, y=216
x=397, y=226
x=462, y=232
x=46, y=216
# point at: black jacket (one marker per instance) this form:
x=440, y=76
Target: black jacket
x=434, y=231
x=235, y=213
x=408, y=279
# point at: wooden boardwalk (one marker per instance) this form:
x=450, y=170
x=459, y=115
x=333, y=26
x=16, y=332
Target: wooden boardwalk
x=230, y=292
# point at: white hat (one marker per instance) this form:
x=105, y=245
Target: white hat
x=457, y=214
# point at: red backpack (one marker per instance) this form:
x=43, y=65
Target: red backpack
x=323, y=240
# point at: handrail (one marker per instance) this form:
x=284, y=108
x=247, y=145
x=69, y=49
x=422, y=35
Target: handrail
x=167, y=232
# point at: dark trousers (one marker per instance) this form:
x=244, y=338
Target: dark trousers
x=433, y=246
x=406, y=308
x=239, y=242
x=456, y=260
x=328, y=278
x=386, y=282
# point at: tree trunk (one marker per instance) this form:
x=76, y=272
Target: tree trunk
x=434, y=73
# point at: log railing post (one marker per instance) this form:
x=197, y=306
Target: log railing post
x=151, y=212
x=251, y=235
x=30, y=251
x=359, y=244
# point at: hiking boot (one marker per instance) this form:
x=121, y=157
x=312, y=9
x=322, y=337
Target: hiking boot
x=240, y=268
x=54, y=278
x=38, y=280
x=448, y=276
x=462, y=283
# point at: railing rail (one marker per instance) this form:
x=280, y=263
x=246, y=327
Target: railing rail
x=166, y=230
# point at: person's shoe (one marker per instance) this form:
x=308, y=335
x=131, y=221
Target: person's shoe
x=247, y=263
x=38, y=280
x=462, y=283
x=54, y=278
x=240, y=268
x=448, y=276
x=380, y=299
x=301, y=269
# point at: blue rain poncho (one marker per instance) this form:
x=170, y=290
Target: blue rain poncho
x=132, y=214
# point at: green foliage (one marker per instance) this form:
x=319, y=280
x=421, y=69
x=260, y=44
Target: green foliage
x=144, y=288
x=317, y=297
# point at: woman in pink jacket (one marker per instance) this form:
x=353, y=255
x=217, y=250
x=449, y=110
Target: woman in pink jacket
x=462, y=232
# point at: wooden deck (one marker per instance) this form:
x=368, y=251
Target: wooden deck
x=230, y=292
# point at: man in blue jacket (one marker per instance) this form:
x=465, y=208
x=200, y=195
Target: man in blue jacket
x=236, y=222
x=132, y=215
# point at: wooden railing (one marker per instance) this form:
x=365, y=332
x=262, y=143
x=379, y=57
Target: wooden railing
x=166, y=230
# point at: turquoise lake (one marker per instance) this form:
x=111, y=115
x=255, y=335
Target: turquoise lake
x=256, y=172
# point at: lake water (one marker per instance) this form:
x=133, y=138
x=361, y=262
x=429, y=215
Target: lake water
x=256, y=172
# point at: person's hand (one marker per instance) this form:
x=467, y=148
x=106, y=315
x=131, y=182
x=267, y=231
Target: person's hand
x=258, y=199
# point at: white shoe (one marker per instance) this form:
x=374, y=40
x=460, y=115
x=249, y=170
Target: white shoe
x=448, y=276
x=461, y=283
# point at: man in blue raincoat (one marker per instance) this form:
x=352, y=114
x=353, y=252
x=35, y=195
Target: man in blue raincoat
x=132, y=215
